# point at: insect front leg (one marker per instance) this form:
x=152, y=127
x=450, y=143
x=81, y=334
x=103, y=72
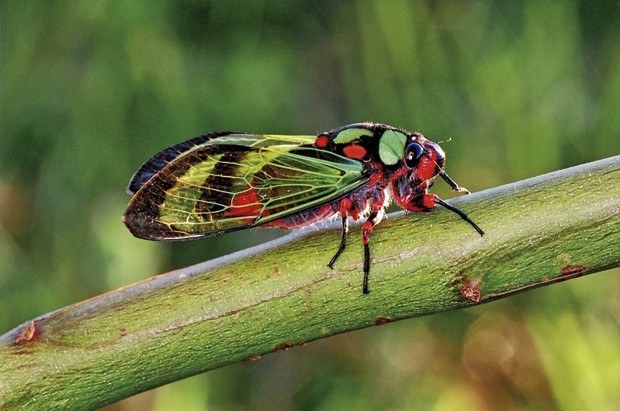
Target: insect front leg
x=428, y=201
x=452, y=183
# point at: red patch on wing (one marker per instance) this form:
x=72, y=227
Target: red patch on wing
x=245, y=204
x=321, y=141
x=355, y=151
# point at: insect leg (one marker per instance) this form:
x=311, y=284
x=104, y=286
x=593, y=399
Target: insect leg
x=366, y=230
x=426, y=202
x=343, y=241
x=373, y=220
x=345, y=206
x=460, y=212
x=452, y=183
x=376, y=215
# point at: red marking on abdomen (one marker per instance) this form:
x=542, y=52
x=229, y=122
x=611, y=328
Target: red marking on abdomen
x=303, y=218
x=281, y=223
x=355, y=151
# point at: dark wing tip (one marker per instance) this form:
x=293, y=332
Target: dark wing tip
x=161, y=159
x=142, y=226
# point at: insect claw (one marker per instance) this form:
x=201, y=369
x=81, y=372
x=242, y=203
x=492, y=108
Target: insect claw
x=452, y=183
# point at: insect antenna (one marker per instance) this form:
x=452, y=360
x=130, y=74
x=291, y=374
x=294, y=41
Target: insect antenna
x=460, y=213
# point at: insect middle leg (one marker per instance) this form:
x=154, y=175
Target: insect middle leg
x=346, y=205
x=376, y=215
x=349, y=207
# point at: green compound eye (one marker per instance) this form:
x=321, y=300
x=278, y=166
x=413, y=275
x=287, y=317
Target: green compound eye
x=392, y=147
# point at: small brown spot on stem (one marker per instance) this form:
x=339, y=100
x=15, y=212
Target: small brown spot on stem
x=470, y=290
x=283, y=346
x=573, y=270
x=383, y=320
x=122, y=332
x=31, y=333
x=255, y=357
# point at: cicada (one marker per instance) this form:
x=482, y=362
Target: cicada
x=228, y=181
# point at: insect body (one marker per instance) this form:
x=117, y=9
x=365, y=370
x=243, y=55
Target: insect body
x=229, y=181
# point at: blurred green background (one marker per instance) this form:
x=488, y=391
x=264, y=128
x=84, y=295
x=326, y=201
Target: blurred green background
x=91, y=89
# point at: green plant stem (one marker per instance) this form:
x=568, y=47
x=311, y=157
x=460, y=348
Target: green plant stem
x=538, y=231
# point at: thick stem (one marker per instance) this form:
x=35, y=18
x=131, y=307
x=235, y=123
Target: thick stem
x=538, y=231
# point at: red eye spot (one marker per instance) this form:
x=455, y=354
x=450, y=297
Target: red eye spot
x=321, y=141
x=354, y=151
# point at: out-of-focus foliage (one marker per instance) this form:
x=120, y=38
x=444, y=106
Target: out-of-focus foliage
x=91, y=89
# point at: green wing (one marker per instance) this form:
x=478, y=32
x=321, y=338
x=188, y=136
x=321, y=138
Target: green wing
x=230, y=181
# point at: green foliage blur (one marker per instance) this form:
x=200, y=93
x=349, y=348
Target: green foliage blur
x=91, y=89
